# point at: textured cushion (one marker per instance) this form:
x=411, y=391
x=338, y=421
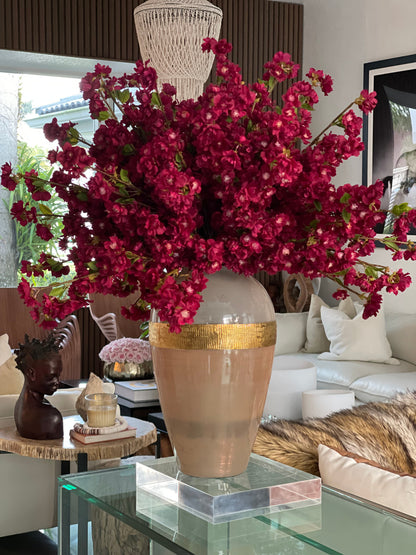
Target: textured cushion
x=365, y=479
x=291, y=332
x=316, y=339
x=356, y=338
x=401, y=333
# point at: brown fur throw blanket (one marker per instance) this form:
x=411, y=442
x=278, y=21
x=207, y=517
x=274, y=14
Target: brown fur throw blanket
x=384, y=432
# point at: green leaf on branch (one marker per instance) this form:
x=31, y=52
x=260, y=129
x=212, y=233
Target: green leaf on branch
x=400, y=209
x=156, y=100
x=179, y=160
x=318, y=205
x=345, y=198
x=371, y=272
x=46, y=211
x=122, y=96
x=338, y=123
x=58, y=291
x=102, y=116
x=73, y=135
x=390, y=242
x=128, y=150
x=124, y=175
x=346, y=216
x=92, y=266
x=82, y=196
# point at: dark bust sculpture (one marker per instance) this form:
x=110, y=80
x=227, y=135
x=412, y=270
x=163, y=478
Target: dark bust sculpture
x=41, y=365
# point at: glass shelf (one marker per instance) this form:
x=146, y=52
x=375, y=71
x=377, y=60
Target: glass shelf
x=101, y=508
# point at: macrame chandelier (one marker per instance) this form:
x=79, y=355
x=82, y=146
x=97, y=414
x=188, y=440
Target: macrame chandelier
x=170, y=35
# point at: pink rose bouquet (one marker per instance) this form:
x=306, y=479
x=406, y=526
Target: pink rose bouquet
x=168, y=192
x=126, y=349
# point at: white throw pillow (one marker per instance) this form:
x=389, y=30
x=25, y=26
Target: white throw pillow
x=356, y=338
x=365, y=479
x=291, y=332
x=11, y=378
x=5, y=351
x=316, y=339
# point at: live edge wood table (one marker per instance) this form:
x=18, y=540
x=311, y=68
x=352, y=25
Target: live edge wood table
x=67, y=449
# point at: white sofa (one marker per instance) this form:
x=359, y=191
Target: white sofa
x=370, y=381
x=28, y=485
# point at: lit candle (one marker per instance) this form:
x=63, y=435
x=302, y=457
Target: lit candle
x=101, y=409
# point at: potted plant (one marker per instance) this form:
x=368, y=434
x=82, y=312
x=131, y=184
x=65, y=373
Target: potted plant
x=172, y=196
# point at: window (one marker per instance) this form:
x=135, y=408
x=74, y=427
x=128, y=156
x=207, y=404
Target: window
x=35, y=88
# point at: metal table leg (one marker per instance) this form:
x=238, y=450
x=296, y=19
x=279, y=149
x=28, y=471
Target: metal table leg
x=82, y=462
x=64, y=500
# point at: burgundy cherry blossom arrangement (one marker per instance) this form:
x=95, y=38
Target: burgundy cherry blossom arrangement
x=169, y=192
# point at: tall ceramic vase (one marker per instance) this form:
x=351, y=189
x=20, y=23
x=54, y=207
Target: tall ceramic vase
x=213, y=376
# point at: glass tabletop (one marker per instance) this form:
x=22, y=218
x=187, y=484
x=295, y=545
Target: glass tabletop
x=340, y=524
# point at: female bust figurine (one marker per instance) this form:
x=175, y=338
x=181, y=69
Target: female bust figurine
x=41, y=365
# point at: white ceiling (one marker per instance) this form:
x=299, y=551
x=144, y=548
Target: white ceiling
x=27, y=62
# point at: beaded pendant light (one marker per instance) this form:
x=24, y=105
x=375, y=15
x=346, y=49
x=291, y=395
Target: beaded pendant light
x=170, y=35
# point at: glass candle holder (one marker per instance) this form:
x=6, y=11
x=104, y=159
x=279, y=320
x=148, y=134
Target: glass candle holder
x=101, y=409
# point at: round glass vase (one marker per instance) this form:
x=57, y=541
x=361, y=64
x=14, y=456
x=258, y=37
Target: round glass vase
x=213, y=376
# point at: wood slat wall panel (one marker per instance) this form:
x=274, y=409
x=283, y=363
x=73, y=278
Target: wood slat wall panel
x=257, y=30
x=85, y=28
x=92, y=341
x=104, y=29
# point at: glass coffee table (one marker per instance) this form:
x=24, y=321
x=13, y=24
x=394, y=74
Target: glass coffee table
x=122, y=518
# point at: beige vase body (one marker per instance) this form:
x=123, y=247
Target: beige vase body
x=212, y=398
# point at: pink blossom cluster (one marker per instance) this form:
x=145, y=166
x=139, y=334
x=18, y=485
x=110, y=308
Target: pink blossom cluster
x=126, y=349
x=172, y=191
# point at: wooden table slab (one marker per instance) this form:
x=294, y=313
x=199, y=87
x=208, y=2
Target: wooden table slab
x=67, y=449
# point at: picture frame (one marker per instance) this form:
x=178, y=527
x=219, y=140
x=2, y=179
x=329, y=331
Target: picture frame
x=389, y=133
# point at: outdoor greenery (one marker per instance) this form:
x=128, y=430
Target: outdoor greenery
x=29, y=246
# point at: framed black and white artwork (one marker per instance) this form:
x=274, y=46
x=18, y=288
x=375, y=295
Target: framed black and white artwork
x=389, y=132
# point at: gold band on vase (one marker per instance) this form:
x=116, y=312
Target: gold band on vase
x=213, y=336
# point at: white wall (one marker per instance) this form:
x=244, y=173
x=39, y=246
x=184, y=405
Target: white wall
x=339, y=37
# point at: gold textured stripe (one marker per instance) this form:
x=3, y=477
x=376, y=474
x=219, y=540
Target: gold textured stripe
x=214, y=336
